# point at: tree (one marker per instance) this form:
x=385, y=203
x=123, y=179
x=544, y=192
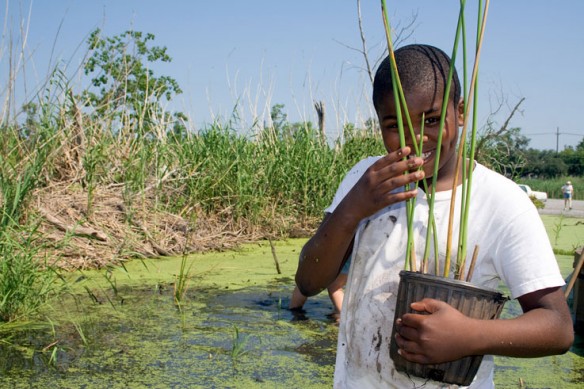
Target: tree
x=543, y=164
x=574, y=159
x=502, y=148
x=123, y=86
x=505, y=153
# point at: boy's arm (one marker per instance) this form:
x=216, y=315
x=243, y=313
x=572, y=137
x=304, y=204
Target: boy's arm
x=544, y=328
x=323, y=255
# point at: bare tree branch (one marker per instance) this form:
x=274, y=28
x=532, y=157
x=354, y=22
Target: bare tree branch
x=401, y=34
x=515, y=109
x=488, y=135
x=364, y=42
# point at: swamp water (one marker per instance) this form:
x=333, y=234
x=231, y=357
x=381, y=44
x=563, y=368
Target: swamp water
x=120, y=328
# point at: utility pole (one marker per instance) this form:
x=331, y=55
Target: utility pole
x=557, y=140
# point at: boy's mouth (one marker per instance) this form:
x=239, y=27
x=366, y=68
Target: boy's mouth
x=424, y=155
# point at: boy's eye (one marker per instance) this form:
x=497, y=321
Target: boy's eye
x=432, y=121
x=391, y=126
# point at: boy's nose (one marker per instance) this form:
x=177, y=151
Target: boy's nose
x=418, y=138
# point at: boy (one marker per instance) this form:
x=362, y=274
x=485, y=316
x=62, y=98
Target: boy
x=367, y=218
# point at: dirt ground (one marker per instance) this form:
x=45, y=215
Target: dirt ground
x=111, y=232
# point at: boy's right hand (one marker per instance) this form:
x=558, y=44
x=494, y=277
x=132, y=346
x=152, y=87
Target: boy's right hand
x=373, y=191
x=322, y=256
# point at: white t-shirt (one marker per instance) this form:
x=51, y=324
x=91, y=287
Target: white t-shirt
x=567, y=189
x=513, y=247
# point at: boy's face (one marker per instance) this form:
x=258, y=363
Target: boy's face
x=422, y=103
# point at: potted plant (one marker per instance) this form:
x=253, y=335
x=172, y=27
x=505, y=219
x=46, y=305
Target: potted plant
x=417, y=280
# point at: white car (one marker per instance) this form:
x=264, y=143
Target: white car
x=541, y=196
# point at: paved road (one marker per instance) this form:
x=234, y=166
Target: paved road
x=556, y=207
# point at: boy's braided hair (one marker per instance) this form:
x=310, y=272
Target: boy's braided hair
x=419, y=66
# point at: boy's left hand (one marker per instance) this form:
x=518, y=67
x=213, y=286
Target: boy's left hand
x=441, y=336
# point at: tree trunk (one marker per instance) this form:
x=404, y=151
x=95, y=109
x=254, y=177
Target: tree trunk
x=319, y=106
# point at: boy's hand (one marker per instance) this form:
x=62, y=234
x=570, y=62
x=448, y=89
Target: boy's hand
x=373, y=190
x=442, y=336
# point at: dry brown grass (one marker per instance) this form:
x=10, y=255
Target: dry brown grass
x=113, y=233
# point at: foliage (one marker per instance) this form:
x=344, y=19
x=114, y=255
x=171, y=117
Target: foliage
x=238, y=345
x=124, y=87
x=543, y=163
x=538, y=203
x=508, y=154
x=505, y=153
x=180, y=284
x=27, y=152
x=25, y=283
x=31, y=153
x=270, y=177
x=574, y=159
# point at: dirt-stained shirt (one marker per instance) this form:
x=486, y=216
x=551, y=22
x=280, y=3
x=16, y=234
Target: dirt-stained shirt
x=513, y=248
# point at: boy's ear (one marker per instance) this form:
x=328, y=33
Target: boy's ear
x=460, y=115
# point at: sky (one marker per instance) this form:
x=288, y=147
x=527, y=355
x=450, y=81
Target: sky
x=242, y=57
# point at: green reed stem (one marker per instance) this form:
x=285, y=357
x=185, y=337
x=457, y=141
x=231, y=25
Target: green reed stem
x=398, y=91
x=399, y=99
x=445, y=101
x=482, y=17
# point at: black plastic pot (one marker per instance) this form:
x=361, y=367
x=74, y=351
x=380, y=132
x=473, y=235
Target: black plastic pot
x=470, y=300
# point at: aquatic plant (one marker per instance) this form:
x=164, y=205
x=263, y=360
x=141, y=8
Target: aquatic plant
x=238, y=345
x=466, y=148
x=557, y=229
x=181, y=280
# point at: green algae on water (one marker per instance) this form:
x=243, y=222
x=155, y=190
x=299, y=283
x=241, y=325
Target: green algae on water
x=134, y=336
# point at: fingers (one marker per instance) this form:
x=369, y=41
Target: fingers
x=405, y=332
x=379, y=186
x=407, y=345
x=427, y=305
x=396, y=170
x=397, y=162
x=421, y=336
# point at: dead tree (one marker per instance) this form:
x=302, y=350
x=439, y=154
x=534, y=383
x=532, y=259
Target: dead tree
x=490, y=134
x=400, y=34
x=319, y=106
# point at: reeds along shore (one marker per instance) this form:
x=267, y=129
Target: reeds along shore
x=82, y=190
x=92, y=177
x=88, y=178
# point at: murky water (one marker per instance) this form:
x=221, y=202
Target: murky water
x=223, y=339
x=122, y=329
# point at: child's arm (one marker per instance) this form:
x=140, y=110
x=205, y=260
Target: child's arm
x=323, y=255
x=545, y=328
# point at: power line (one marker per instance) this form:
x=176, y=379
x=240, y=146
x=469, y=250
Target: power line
x=554, y=133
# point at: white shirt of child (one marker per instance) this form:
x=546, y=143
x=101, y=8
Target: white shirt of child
x=513, y=247
x=567, y=189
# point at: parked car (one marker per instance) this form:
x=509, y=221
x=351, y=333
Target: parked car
x=541, y=196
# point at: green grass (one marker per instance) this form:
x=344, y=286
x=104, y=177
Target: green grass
x=25, y=283
x=553, y=187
